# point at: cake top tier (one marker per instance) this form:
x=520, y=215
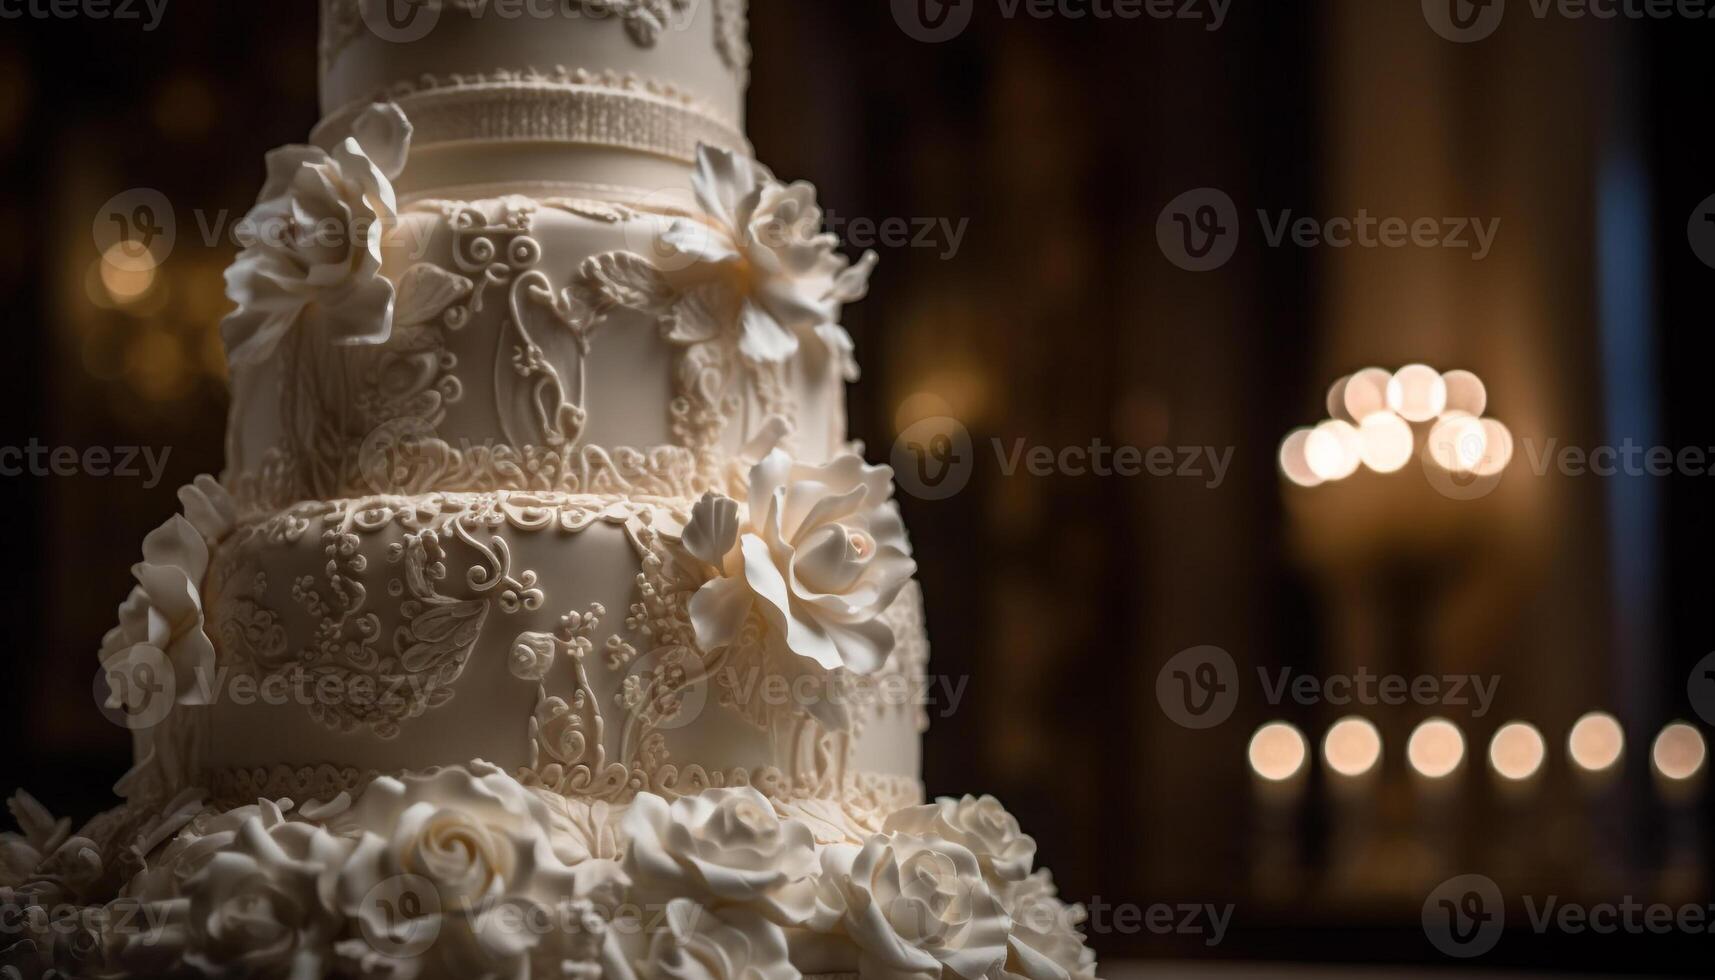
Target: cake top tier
x=697, y=48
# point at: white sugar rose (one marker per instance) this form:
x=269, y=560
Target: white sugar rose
x=22, y=853
x=722, y=846
x=313, y=241
x=695, y=943
x=980, y=824
x=764, y=240
x=459, y=867
x=263, y=907
x=1045, y=943
x=917, y=905
x=820, y=551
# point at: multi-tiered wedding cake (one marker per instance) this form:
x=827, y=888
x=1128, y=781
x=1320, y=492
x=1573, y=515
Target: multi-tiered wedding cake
x=544, y=623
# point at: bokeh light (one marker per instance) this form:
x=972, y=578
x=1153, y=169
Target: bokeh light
x=1436, y=748
x=1278, y=751
x=1517, y=751
x=1679, y=751
x=1596, y=742
x=1352, y=747
x=1417, y=393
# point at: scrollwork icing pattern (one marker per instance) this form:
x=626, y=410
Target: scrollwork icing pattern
x=368, y=419
x=440, y=630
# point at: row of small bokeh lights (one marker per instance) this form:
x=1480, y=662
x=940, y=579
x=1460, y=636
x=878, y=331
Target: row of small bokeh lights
x=1436, y=749
x=1371, y=425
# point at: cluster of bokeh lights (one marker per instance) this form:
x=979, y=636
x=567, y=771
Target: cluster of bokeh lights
x=1436, y=749
x=1378, y=418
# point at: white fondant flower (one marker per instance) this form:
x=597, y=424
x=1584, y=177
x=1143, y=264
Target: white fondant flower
x=695, y=943
x=723, y=846
x=915, y=905
x=764, y=239
x=313, y=241
x=532, y=656
x=481, y=847
x=981, y=825
x=819, y=550
x=163, y=618
x=263, y=906
x=22, y=853
x=1045, y=943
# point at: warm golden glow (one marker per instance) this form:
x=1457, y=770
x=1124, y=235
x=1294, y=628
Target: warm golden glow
x=1366, y=393
x=1517, y=751
x=1497, y=449
x=127, y=272
x=1337, y=399
x=1332, y=450
x=1596, y=742
x=919, y=406
x=1385, y=442
x=1465, y=393
x=1293, y=462
x=1436, y=748
x=1277, y=751
x=1679, y=751
x=1352, y=747
x=1417, y=392
x=1458, y=443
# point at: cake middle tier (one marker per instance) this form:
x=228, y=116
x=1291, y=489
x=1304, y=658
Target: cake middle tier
x=548, y=634
x=543, y=343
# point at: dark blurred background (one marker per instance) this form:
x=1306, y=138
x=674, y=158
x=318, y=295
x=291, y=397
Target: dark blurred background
x=1058, y=318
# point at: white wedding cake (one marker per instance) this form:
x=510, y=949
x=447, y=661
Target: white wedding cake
x=545, y=623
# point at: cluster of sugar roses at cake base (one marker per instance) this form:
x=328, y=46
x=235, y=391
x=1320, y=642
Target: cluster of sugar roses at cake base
x=464, y=871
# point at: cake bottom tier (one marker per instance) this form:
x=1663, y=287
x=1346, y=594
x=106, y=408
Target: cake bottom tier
x=464, y=871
